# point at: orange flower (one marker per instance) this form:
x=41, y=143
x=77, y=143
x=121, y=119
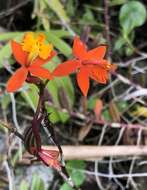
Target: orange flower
x=50, y=158
x=31, y=54
x=89, y=64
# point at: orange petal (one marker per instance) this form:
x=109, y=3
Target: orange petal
x=99, y=74
x=38, y=61
x=19, y=54
x=40, y=72
x=97, y=53
x=66, y=68
x=17, y=80
x=79, y=48
x=83, y=80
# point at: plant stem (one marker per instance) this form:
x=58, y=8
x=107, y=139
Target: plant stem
x=12, y=129
x=36, y=120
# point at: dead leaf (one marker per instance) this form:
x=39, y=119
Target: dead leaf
x=98, y=109
x=84, y=131
x=131, y=135
x=115, y=114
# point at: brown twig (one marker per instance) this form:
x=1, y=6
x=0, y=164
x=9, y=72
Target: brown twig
x=13, y=9
x=107, y=27
x=11, y=129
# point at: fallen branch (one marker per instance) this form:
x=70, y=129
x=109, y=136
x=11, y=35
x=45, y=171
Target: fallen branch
x=98, y=152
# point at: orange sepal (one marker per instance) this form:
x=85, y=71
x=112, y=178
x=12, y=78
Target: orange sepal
x=83, y=80
x=40, y=72
x=19, y=54
x=79, y=48
x=66, y=68
x=96, y=53
x=17, y=80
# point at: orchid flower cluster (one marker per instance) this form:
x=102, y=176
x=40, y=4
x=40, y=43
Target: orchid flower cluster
x=31, y=54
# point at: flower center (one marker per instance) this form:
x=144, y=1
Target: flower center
x=36, y=46
x=101, y=63
x=91, y=62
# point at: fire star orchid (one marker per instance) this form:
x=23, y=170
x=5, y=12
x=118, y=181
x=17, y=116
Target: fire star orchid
x=88, y=64
x=31, y=54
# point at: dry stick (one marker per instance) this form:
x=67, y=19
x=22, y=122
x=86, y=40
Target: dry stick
x=111, y=171
x=13, y=9
x=130, y=179
x=107, y=27
x=88, y=152
x=14, y=116
x=98, y=179
x=9, y=174
x=11, y=129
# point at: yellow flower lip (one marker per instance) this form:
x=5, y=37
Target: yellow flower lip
x=36, y=46
x=108, y=66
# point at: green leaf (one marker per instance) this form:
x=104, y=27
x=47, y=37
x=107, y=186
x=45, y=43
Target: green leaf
x=65, y=186
x=45, y=20
x=119, y=43
x=73, y=167
x=88, y=16
x=5, y=100
x=31, y=95
x=71, y=7
x=5, y=51
x=37, y=183
x=24, y=185
x=58, y=8
x=9, y=35
x=75, y=164
x=57, y=116
x=61, y=33
x=91, y=103
x=122, y=105
x=62, y=46
x=54, y=86
x=78, y=177
x=132, y=14
x=117, y=2
x=129, y=51
x=106, y=115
